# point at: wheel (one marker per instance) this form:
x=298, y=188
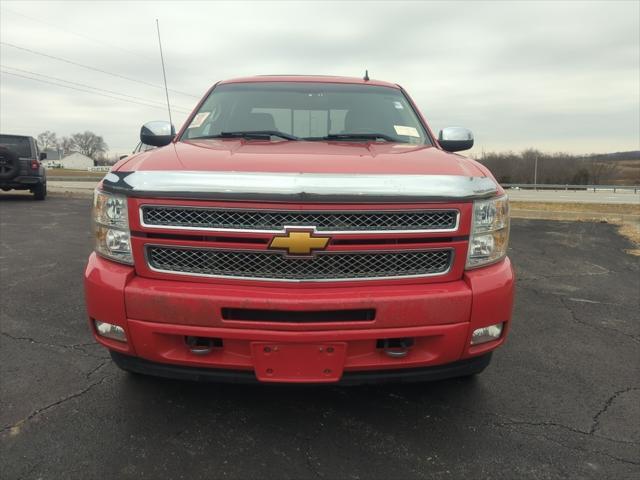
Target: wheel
x=9, y=165
x=40, y=191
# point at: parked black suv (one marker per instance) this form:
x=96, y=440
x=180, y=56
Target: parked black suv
x=20, y=167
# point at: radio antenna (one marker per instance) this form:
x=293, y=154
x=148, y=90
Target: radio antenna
x=164, y=73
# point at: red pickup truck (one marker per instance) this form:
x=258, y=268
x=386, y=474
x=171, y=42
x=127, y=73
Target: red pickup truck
x=301, y=229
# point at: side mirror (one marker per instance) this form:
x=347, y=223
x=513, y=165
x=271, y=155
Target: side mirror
x=43, y=155
x=158, y=133
x=455, y=139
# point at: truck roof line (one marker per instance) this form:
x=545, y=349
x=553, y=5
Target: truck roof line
x=309, y=78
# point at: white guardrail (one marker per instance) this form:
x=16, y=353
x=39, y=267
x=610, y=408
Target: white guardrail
x=548, y=186
x=105, y=168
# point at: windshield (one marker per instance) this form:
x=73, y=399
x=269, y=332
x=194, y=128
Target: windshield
x=308, y=111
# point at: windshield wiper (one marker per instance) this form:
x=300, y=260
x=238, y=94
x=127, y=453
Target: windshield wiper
x=252, y=134
x=358, y=136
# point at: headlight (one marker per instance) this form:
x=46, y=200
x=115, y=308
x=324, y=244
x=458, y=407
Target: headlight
x=489, y=237
x=111, y=220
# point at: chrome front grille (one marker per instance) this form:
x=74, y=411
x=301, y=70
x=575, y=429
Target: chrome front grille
x=325, y=266
x=275, y=221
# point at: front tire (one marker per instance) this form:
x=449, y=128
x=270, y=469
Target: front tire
x=40, y=192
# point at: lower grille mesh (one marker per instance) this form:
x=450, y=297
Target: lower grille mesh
x=275, y=266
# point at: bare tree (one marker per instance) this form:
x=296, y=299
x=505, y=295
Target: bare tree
x=600, y=171
x=564, y=168
x=530, y=159
x=87, y=143
x=47, y=140
x=66, y=144
x=104, y=160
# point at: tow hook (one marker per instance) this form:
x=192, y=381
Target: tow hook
x=396, y=347
x=202, y=345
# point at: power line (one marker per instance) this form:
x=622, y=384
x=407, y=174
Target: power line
x=95, y=69
x=81, y=90
x=183, y=109
x=81, y=35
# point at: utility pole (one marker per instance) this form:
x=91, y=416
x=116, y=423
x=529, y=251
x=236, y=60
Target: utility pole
x=535, y=173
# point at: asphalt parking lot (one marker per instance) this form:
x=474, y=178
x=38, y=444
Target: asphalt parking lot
x=560, y=400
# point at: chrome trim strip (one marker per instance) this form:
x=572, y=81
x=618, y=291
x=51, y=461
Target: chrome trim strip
x=290, y=227
x=287, y=280
x=333, y=187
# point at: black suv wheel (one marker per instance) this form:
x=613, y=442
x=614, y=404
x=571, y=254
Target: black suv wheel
x=9, y=165
x=40, y=191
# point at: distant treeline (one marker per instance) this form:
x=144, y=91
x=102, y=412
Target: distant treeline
x=622, y=168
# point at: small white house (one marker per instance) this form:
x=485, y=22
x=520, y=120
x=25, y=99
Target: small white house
x=77, y=161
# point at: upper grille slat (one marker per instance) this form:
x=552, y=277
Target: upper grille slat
x=266, y=265
x=272, y=221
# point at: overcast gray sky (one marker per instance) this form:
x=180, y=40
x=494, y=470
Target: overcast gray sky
x=559, y=76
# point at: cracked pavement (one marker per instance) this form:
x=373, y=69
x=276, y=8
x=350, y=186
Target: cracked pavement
x=560, y=400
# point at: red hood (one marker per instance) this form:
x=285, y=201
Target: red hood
x=302, y=157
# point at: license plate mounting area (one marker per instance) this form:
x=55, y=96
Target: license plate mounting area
x=298, y=362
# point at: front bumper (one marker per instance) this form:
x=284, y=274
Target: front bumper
x=461, y=368
x=157, y=316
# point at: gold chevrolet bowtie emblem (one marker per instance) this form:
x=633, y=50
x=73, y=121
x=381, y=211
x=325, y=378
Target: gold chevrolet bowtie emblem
x=299, y=242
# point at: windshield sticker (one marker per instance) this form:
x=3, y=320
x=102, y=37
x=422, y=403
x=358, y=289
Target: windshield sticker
x=398, y=105
x=199, y=119
x=406, y=131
